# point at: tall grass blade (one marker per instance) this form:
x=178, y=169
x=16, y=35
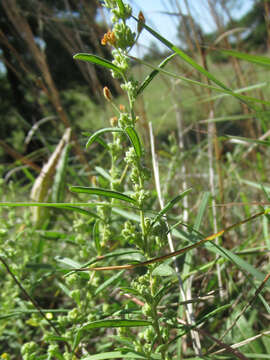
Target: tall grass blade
x=255, y=59
x=248, y=140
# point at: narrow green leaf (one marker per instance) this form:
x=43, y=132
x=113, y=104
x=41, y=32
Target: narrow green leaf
x=94, y=59
x=130, y=291
x=170, y=204
x=252, y=141
x=153, y=74
x=257, y=356
x=79, y=210
x=232, y=117
x=163, y=270
x=135, y=140
x=256, y=59
x=48, y=204
x=112, y=323
x=256, y=185
x=109, y=282
x=51, y=234
x=56, y=338
x=202, y=209
x=123, y=253
x=102, y=192
x=64, y=206
x=99, y=132
x=118, y=355
x=236, y=92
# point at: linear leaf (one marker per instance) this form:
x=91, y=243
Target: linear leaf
x=94, y=59
x=64, y=206
x=153, y=74
x=118, y=355
x=51, y=234
x=116, y=253
x=111, y=323
x=252, y=141
x=256, y=59
x=170, y=204
x=135, y=140
x=232, y=117
x=99, y=132
x=79, y=210
x=102, y=192
x=202, y=209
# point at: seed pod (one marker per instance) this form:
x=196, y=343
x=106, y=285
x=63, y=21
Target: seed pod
x=107, y=94
x=141, y=22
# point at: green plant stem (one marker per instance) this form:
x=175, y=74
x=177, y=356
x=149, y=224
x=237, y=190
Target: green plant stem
x=155, y=317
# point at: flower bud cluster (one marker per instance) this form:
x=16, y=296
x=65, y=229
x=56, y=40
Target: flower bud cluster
x=121, y=36
x=104, y=212
x=125, y=120
x=131, y=235
x=131, y=88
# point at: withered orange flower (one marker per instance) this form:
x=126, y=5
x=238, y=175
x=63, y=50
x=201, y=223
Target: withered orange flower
x=107, y=94
x=108, y=38
x=122, y=107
